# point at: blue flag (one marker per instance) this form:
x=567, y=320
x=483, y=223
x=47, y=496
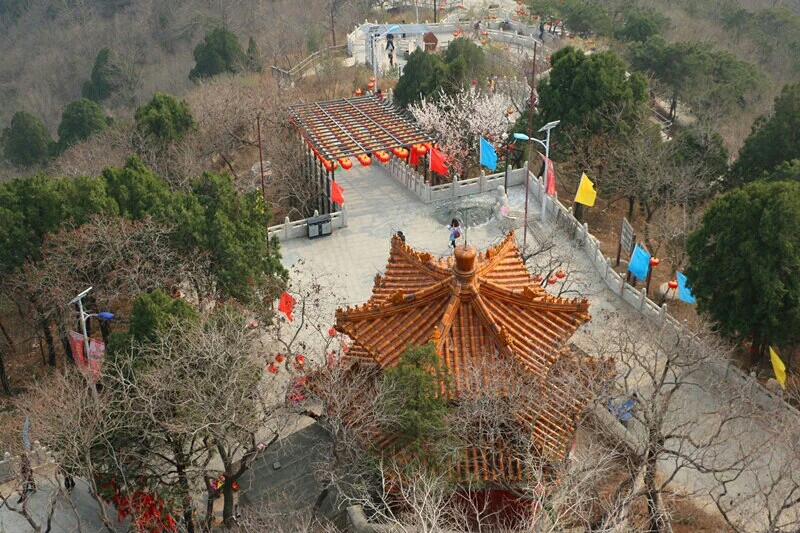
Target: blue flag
x=640, y=263
x=26, y=438
x=488, y=155
x=684, y=292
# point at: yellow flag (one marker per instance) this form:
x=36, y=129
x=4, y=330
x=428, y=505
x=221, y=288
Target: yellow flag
x=778, y=367
x=586, y=193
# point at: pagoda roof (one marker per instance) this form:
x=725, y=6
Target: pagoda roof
x=474, y=305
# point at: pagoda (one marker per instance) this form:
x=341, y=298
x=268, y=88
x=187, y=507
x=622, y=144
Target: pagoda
x=473, y=306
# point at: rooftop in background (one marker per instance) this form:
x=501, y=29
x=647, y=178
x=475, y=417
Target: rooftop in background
x=354, y=126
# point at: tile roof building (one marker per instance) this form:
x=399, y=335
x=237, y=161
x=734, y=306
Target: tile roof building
x=473, y=306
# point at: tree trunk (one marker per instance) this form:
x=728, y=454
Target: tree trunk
x=3, y=377
x=631, y=202
x=653, y=509
x=105, y=331
x=64, y=335
x=655, y=518
x=227, y=502
x=10, y=349
x=183, y=482
x=48, y=337
x=333, y=26
x=209, y=510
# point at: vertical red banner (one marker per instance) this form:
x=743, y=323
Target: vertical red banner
x=76, y=343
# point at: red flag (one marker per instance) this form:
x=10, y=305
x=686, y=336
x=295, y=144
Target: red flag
x=414, y=157
x=336, y=193
x=286, y=305
x=551, y=176
x=437, y=162
x=76, y=343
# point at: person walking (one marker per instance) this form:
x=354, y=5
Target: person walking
x=455, y=232
x=541, y=30
x=69, y=481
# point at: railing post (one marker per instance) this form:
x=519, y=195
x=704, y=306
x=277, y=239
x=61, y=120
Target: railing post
x=286, y=223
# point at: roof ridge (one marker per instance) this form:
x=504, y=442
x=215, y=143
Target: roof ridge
x=423, y=260
x=534, y=295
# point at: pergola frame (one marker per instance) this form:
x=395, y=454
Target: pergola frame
x=352, y=126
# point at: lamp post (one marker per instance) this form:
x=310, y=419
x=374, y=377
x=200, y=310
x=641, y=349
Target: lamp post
x=105, y=315
x=375, y=37
x=546, y=144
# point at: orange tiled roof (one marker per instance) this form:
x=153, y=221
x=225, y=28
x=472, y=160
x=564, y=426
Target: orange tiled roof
x=470, y=306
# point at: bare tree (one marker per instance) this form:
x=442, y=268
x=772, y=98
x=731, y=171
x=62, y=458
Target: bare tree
x=765, y=496
x=200, y=395
x=683, y=416
x=77, y=426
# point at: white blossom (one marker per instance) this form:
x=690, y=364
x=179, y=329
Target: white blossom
x=457, y=121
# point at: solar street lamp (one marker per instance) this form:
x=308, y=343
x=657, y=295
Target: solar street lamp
x=105, y=315
x=546, y=145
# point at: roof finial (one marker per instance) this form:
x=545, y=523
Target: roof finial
x=465, y=259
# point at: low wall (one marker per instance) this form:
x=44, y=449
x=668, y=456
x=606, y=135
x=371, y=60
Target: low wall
x=299, y=228
x=10, y=464
x=416, y=183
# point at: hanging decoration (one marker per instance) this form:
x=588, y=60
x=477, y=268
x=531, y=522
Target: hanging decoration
x=382, y=156
x=346, y=163
x=364, y=159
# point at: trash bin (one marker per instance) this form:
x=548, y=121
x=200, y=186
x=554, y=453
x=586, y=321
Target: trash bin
x=319, y=226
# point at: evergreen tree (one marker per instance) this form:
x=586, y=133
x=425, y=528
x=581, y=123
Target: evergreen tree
x=79, y=120
x=108, y=76
x=219, y=52
x=745, y=263
x=164, y=118
x=593, y=93
x=253, y=56
x=774, y=139
x=26, y=142
x=422, y=77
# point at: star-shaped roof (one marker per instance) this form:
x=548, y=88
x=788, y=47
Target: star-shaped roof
x=473, y=305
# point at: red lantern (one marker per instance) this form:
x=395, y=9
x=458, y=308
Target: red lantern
x=280, y=358
x=273, y=368
x=654, y=261
x=299, y=362
x=372, y=79
x=421, y=149
x=332, y=332
x=538, y=278
x=359, y=92
x=382, y=156
x=330, y=165
x=510, y=111
x=346, y=163
x=672, y=284
x=371, y=85
x=560, y=274
x=552, y=280
x=364, y=159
